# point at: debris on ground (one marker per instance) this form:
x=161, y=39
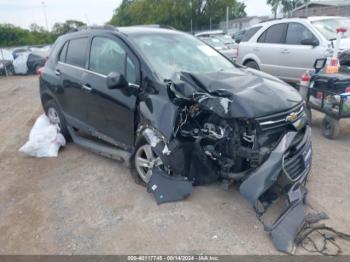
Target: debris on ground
x=320, y=238
x=45, y=139
x=168, y=188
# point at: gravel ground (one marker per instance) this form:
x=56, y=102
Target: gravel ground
x=82, y=203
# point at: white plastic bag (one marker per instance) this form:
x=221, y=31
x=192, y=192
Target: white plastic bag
x=44, y=139
x=20, y=63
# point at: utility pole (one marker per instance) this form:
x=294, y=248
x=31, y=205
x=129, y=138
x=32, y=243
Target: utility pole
x=210, y=23
x=306, y=7
x=45, y=15
x=191, y=27
x=227, y=16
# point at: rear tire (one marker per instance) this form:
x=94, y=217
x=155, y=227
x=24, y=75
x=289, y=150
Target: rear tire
x=55, y=115
x=330, y=127
x=252, y=64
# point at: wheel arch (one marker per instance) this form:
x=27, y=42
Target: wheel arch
x=251, y=57
x=45, y=97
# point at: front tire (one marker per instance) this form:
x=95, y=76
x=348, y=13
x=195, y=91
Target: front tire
x=252, y=64
x=143, y=161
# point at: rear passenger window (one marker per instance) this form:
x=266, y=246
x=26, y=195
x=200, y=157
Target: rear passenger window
x=76, y=54
x=62, y=56
x=249, y=34
x=273, y=35
x=296, y=33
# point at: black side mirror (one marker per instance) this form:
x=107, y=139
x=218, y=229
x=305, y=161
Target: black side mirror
x=320, y=64
x=237, y=40
x=116, y=81
x=310, y=41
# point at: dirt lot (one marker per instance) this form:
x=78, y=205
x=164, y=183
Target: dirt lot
x=81, y=203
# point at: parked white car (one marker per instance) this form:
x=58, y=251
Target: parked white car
x=286, y=48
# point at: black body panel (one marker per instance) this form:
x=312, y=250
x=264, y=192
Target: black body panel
x=236, y=126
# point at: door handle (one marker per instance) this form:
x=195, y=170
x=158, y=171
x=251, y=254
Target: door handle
x=87, y=87
x=256, y=49
x=57, y=72
x=285, y=51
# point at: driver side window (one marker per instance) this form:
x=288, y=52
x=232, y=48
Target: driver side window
x=108, y=56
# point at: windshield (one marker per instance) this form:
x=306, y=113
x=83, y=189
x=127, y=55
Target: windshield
x=328, y=27
x=170, y=53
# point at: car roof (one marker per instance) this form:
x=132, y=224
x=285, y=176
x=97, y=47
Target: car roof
x=318, y=18
x=298, y=19
x=215, y=32
x=128, y=30
x=147, y=29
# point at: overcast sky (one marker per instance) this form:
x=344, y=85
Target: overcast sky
x=25, y=12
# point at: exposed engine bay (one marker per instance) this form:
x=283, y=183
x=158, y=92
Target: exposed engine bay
x=211, y=141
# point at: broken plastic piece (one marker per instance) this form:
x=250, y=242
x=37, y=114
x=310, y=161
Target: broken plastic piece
x=151, y=137
x=287, y=226
x=167, y=188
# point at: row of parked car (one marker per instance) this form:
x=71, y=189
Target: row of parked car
x=285, y=48
x=25, y=60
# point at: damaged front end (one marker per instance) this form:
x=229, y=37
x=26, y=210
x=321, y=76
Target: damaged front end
x=221, y=134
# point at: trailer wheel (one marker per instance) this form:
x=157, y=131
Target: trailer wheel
x=330, y=127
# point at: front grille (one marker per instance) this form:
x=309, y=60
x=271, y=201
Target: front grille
x=295, y=159
x=280, y=120
x=293, y=167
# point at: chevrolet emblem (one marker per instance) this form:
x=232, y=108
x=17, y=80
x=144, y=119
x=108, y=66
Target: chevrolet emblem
x=292, y=117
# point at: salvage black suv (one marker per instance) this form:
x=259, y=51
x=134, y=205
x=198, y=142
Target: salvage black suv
x=182, y=114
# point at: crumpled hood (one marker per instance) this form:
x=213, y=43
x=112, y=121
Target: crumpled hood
x=243, y=93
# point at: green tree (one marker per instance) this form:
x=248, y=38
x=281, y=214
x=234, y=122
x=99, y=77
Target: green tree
x=176, y=13
x=62, y=28
x=275, y=4
x=287, y=5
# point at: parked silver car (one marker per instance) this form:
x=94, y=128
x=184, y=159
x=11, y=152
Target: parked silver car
x=221, y=42
x=286, y=48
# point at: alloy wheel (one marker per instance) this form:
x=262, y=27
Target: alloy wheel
x=53, y=116
x=145, y=161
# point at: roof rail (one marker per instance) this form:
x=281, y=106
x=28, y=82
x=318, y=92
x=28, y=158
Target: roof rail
x=270, y=19
x=103, y=27
x=157, y=26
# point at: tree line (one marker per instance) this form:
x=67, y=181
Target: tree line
x=11, y=35
x=180, y=14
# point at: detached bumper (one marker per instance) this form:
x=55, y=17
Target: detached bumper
x=288, y=166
